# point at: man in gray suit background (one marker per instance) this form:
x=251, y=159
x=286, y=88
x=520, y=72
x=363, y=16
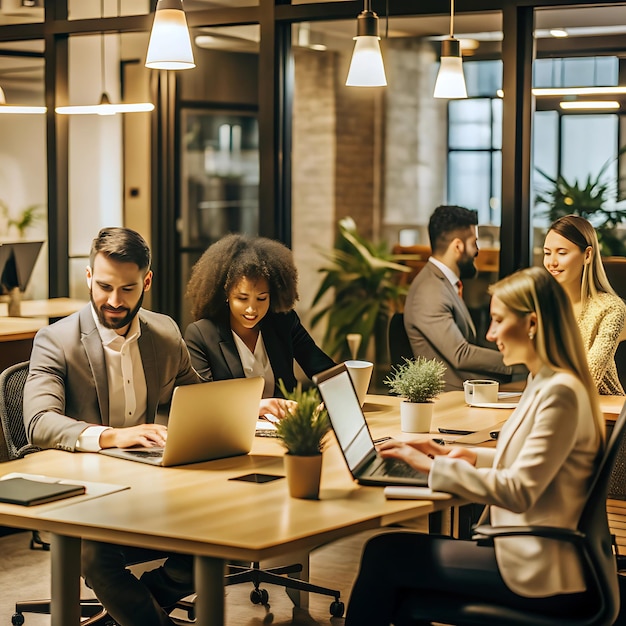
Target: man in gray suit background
x=436, y=318
x=96, y=380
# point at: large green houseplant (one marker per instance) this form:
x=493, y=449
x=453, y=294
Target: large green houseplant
x=364, y=278
x=592, y=199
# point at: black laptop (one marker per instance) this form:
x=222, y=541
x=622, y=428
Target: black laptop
x=353, y=435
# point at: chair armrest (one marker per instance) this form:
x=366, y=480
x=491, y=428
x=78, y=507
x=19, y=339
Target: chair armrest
x=27, y=449
x=486, y=534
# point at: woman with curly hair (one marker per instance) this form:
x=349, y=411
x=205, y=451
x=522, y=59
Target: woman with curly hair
x=571, y=253
x=242, y=293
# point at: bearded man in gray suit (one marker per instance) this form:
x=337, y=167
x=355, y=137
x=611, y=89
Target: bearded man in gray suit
x=96, y=380
x=436, y=318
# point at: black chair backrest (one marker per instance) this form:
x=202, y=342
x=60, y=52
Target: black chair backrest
x=399, y=344
x=12, y=382
x=594, y=524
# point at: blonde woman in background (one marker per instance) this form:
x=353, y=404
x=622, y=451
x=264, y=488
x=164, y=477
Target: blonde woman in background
x=571, y=253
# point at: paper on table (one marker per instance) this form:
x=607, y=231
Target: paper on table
x=92, y=489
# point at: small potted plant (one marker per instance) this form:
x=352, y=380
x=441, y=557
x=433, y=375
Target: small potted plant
x=303, y=433
x=418, y=381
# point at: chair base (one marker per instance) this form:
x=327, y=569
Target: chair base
x=279, y=576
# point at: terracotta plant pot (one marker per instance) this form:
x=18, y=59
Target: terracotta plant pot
x=303, y=475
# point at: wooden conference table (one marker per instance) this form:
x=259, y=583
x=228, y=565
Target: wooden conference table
x=196, y=509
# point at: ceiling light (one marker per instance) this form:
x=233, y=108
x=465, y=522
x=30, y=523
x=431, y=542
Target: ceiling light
x=589, y=104
x=170, y=43
x=450, y=81
x=559, y=32
x=579, y=91
x=15, y=108
x=366, y=67
x=104, y=106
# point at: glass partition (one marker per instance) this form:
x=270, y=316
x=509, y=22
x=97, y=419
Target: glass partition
x=23, y=186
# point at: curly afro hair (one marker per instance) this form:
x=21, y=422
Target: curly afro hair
x=234, y=257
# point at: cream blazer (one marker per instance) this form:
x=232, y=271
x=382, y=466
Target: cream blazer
x=538, y=474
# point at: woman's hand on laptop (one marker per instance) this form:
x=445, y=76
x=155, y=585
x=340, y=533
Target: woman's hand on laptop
x=144, y=435
x=420, y=453
x=276, y=406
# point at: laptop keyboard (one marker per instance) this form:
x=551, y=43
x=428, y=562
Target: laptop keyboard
x=147, y=454
x=399, y=469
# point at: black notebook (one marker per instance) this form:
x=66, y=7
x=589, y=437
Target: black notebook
x=29, y=492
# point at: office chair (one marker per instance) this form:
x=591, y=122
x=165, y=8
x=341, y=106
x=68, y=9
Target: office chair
x=399, y=344
x=13, y=442
x=591, y=539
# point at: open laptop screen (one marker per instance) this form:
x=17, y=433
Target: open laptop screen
x=346, y=415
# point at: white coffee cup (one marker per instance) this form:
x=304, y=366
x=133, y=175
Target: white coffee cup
x=361, y=374
x=481, y=391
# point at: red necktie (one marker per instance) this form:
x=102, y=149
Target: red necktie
x=459, y=288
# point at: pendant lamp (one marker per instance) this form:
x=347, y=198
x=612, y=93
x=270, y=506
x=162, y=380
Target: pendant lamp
x=170, y=43
x=367, y=68
x=18, y=108
x=450, y=81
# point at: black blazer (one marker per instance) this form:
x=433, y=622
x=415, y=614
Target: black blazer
x=214, y=353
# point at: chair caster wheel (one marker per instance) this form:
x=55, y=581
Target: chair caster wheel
x=17, y=619
x=259, y=596
x=337, y=608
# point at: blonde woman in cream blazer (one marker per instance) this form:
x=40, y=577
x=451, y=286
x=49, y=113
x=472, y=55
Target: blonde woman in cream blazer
x=538, y=474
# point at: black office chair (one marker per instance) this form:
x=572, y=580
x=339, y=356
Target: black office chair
x=591, y=539
x=13, y=442
x=399, y=344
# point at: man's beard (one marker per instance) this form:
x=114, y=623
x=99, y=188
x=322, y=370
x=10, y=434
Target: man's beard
x=118, y=322
x=467, y=269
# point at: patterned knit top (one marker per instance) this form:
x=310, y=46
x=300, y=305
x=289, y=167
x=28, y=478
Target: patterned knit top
x=601, y=322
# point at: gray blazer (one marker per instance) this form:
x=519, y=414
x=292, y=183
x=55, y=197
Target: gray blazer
x=67, y=388
x=538, y=474
x=440, y=326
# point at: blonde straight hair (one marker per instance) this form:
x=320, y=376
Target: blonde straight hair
x=583, y=235
x=557, y=341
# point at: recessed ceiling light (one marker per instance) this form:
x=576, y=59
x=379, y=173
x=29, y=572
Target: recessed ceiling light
x=559, y=32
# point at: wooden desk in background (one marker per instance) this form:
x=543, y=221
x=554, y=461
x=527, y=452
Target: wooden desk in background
x=16, y=339
x=17, y=333
x=51, y=308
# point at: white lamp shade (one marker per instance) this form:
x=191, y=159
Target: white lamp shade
x=170, y=43
x=366, y=67
x=450, y=79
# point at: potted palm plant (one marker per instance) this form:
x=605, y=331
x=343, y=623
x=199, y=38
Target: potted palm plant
x=303, y=433
x=364, y=277
x=418, y=381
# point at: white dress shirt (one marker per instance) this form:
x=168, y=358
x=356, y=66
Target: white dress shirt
x=256, y=363
x=128, y=394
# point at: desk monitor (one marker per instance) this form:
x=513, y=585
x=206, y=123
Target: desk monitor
x=17, y=260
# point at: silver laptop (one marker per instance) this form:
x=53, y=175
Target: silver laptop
x=353, y=435
x=206, y=421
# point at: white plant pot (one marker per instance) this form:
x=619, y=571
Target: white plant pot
x=416, y=417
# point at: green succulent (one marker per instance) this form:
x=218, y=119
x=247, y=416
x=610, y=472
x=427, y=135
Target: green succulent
x=417, y=380
x=364, y=277
x=303, y=430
